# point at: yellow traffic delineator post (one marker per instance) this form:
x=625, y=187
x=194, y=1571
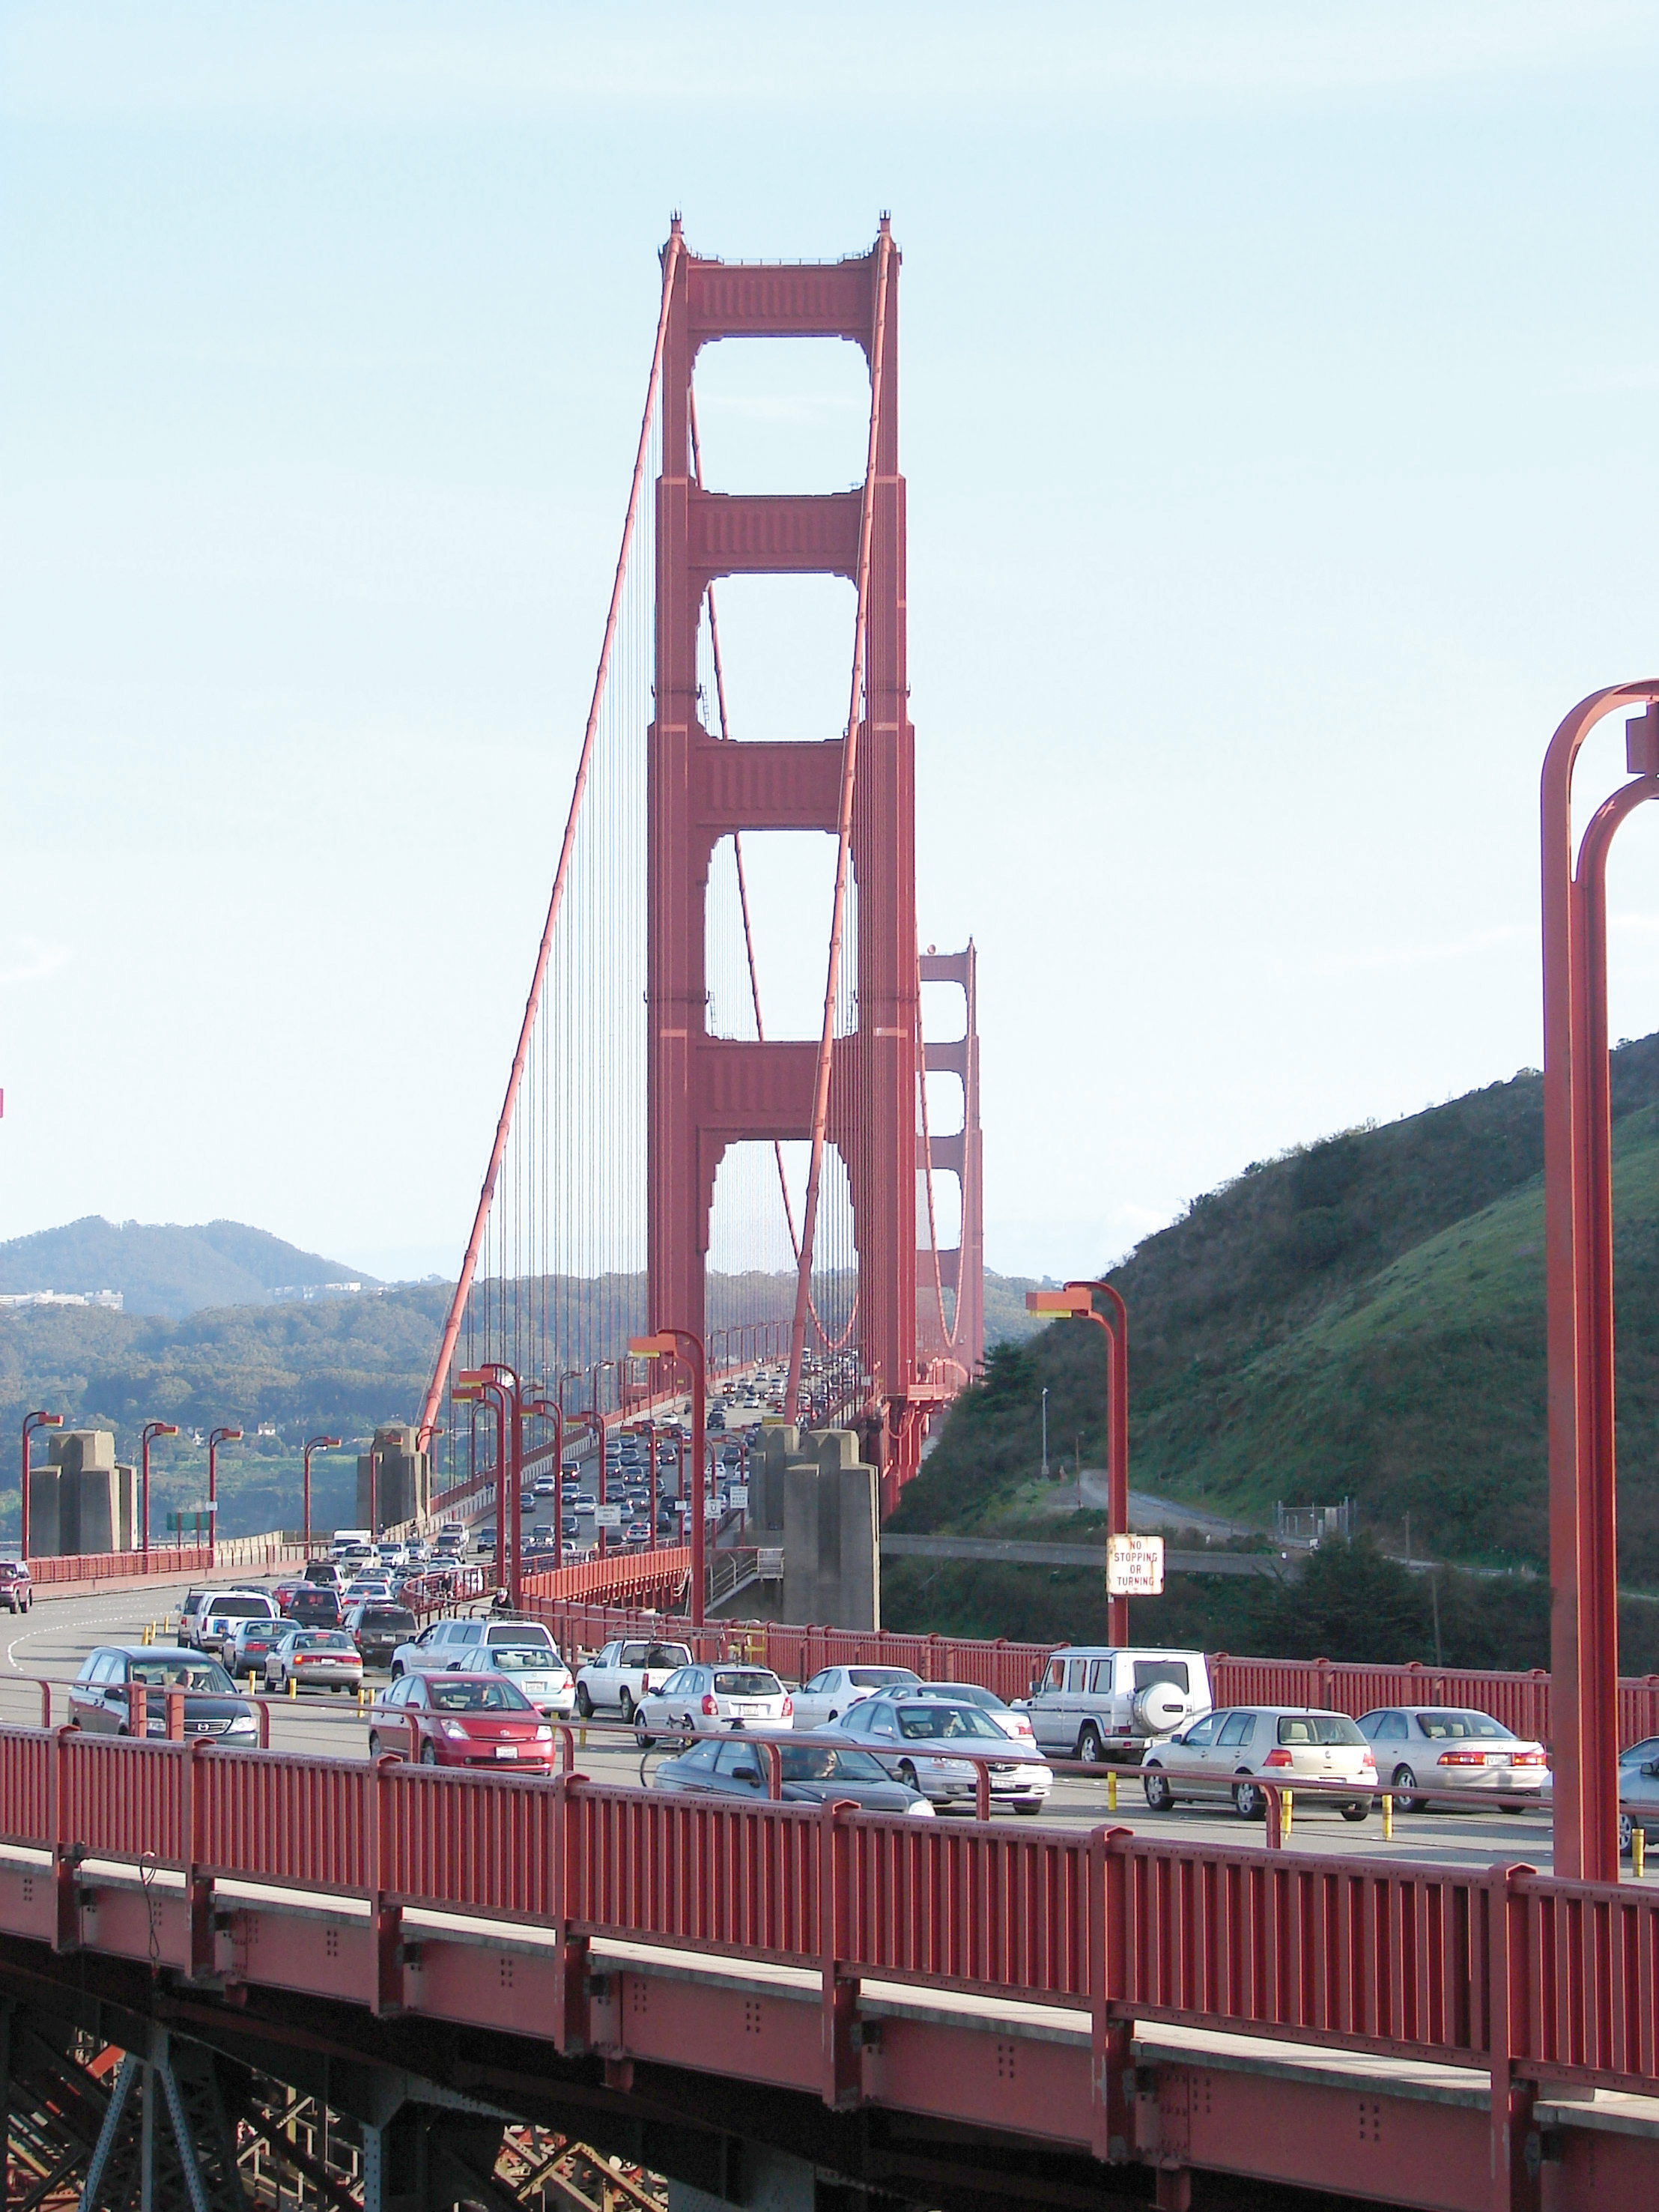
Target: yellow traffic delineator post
x=1285, y=1819
x=581, y=1739
x=1388, y=1818
x=1111, y=1791
x=292, y=1685
x=1638, y=1849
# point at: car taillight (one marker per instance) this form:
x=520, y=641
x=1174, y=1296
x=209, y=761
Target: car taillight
x=1277, y=1756
x=1527, y=1758
x=1461, y=1759
x=1022, y=1727
x=708, y=1705
x=788, y=1705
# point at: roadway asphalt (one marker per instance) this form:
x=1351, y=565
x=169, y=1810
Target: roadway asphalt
x=54, y=1639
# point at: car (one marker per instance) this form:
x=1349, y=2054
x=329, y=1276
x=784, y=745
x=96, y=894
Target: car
x=363, y=1588
x=314, y=1659
x=191, y=1613
x=459, y=1641
x=1094, y=1702
x=1448, y=1747
x=545, y=1486
x=486, y=1539
x=527, y=1501
x=888, y=1728
x=698, y=1698
x=325, y=1574
x=281, y=1591
x=1233, y=1752
x=534, y=1666
x=1013, y=1722
x=100, y=1704
x=224, y=1608
x=351, y=1539
x=460, y=1720
x=16, y=1586
x=1638, y=1794
x=623, y=1671
x=378, y=1626
x=834, y=1690
x=812, y=1773
x=245, y=1645
x=316, y=1605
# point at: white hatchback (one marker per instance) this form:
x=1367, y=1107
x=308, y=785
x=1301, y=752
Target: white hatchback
x=699, y=1700
x=1231, y=1753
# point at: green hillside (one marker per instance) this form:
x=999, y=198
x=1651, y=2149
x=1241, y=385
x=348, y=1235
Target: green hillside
x=1363, y=1316
x=162, y=1268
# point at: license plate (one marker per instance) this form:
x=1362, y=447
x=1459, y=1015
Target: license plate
x=747, y=1711
x=507, y=1751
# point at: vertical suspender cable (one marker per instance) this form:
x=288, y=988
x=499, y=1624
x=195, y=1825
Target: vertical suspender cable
x=452, y=1321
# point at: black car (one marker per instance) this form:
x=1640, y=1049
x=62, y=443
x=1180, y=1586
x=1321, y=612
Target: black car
x=727, y=1766
x=379, y=1629
x=99, y=1701
x=315, y=1605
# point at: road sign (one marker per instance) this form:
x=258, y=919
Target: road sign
x=607, y=1516
x=191, y=1516
x=1135, y=1566
x=738, y=1497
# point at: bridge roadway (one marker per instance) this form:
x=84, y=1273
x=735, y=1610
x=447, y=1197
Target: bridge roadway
x=56, y=1637
x=727, y=2057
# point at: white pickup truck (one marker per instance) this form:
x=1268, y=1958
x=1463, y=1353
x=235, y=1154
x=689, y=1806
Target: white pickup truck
x=621, y=1674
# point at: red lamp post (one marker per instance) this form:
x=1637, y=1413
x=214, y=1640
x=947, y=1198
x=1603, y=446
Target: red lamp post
x=318, y=1443
x=598, y=1368
x=151, y=1429
x=216, y=1438
x=1578, y=1282
x=680, y=1343
x=1078, y=1300
x=31, y=1423
x=496, y=1381
x=550, y=1410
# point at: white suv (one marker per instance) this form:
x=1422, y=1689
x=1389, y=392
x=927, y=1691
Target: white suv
x=623, y=1672
x=1094, y=1702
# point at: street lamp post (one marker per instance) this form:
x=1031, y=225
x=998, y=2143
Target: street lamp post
x=1045, y=1432
x=680, y=1343
x=31, y=1423
x=598, y=1368
x=1077, y=1300
x=151, y=1429
x=550, y=1410
x=216, y=1438
x=319, y=1443
x=497, y=1382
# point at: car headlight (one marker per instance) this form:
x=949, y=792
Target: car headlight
x=543, y=1735
x=924, y=1807
x=455, y=1731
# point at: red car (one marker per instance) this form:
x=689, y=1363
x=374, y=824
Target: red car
x=282, y=1592
x=16, y=1586
x=462, y=1720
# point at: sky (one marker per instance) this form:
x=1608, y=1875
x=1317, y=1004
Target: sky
x=1278, y=394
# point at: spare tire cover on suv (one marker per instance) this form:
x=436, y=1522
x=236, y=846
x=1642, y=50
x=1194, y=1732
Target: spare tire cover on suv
x=1159, y=1707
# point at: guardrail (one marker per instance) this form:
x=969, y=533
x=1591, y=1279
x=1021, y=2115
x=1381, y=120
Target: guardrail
x=1504, y=1970
x=261, y=1553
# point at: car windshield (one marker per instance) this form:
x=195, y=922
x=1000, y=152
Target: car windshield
x=478, y=1697
x=746, y=1682
x=389, y=1616
x=812, y=1762
x=1481, y=1725
x=201, y=1675
x=1318, y=1728
x=242, y=1608
x=916, y=1720
x=522, y=1658
x=325, y=1639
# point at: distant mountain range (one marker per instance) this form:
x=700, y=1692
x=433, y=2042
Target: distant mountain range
x=162, y=1268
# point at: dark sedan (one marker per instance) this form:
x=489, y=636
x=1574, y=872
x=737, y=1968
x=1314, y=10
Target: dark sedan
x=99, y=1700
x=733, y=1767
x=378, y=1628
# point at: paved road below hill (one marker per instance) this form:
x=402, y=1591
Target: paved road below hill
x=1015, y=1552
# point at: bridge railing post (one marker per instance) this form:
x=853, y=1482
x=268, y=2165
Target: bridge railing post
x=66, y=1850
x=1513, y=2188
x=193, y=1844
x=1109, y=2058
x=386, y=1920
x=566, y=1845
x=840, y=1991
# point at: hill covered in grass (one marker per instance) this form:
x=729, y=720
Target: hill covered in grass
x=1362, y=1316
x=162, y=1268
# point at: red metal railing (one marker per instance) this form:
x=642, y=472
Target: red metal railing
x=1503, y=1968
